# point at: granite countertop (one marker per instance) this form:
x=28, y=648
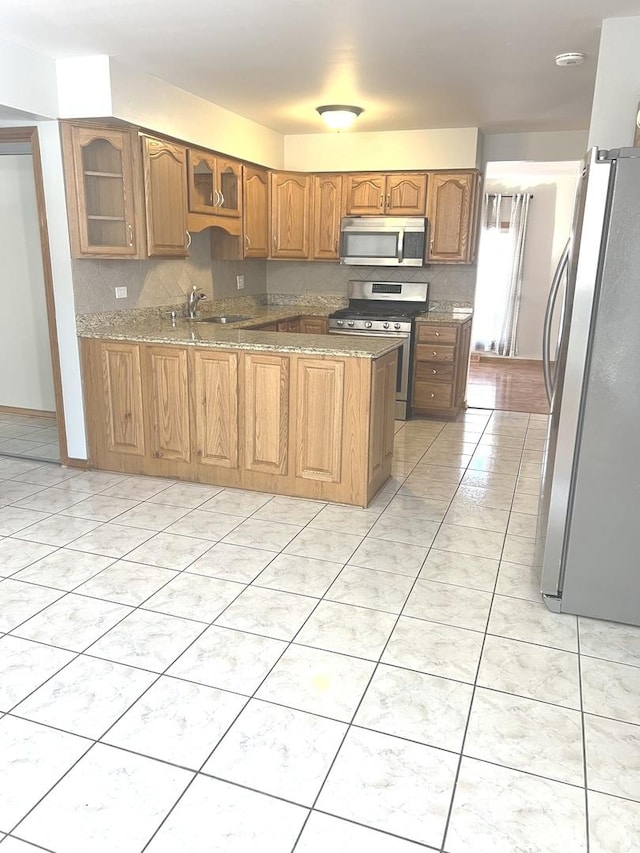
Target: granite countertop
x=157, y=328
x=453, y=317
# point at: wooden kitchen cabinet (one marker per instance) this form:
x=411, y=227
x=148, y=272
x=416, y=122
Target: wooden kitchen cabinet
x=314, y=426
x=291, y=325
x=115, y=417
x=290, y=197
x=452, y=212
x=167, y=395
x=327, y=212
x=441, y=364
x=256, y=212
x=314, y=325
x=215, y=407
x=396, y=194
x=266, y=413
x=104, y=193
x=215, y=184
x=165, y=193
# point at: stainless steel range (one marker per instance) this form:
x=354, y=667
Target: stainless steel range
x=385, y=308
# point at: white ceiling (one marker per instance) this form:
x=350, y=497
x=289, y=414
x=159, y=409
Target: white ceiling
x=410, y=63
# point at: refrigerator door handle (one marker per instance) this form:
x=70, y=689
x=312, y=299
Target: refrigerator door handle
x=548, y=320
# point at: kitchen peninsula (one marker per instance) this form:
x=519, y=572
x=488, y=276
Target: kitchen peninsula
x=306, y=415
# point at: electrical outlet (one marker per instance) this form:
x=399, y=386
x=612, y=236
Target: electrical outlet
x=121, y=292
x=240, y=282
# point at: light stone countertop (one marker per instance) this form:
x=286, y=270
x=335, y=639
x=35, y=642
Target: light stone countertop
x=157, y=328
x=451, y=317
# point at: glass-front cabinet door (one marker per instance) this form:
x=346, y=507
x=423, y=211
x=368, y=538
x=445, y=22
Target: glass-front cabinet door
x=105, y=222
x=215, y=184
x=202, y=181
x=229, y=187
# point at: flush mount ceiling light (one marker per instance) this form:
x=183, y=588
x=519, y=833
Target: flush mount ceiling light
x=339, y=116
x=575, y=58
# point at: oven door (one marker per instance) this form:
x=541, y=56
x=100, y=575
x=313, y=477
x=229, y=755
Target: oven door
x=402, y=375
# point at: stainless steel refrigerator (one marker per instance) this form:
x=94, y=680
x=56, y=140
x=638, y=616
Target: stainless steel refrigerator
x=588, y=535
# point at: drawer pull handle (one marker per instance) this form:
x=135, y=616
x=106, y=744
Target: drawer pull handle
x=432, y=395
x=434, y=372
x=437, y=334
x=435, y=352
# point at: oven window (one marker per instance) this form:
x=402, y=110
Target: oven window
x=370, y=244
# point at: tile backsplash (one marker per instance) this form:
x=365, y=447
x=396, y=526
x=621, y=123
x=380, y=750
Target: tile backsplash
x=157, y=282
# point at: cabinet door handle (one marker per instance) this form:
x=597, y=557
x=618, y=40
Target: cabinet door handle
x=130, y=230
x=247, y=241
x=275, y=242
x=221, y=199
x=188, y=240
x=431, y=246
x=381, y=199
x=389, y=200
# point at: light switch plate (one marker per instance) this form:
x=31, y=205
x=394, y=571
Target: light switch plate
x=121, y=292
x=240, y=282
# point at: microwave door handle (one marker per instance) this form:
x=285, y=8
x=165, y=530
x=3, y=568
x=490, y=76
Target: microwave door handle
x=400, y=249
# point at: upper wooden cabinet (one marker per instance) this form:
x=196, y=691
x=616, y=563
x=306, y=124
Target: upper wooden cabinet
x=215, y=184
x=452, y=214
x=397, y=194
x=104, y=201
x=290, y=195
x=256, y=212
x=165, y=194
x=327, y=210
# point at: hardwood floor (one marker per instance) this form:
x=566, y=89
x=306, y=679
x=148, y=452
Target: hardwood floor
x=507, y=384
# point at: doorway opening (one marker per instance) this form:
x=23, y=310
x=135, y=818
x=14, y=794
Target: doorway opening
x=506, y=365
x=31, y=408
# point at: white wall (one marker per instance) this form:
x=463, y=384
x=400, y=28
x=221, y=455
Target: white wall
x=60, y=251
x=548, y=228
x=617, y=89
x=449, y=148
x=99, y=86
x=551, y=146
x=26, y=378
x=27, y=81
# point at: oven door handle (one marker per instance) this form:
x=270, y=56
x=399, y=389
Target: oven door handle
x=400, y=249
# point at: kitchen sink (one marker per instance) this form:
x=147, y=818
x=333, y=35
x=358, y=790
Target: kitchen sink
x=222, y=318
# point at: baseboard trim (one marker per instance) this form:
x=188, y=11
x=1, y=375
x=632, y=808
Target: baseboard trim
x=71, y=462
x=509, y=361
x=29, y=413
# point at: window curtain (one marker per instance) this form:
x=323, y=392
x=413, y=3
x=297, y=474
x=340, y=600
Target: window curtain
x=500, y=264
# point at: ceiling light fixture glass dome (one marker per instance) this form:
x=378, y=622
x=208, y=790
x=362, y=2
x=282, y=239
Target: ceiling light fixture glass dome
x=339, y=116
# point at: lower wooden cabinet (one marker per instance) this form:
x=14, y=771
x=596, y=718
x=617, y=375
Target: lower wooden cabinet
x=167, y=398
x=292, y=325
x=265, y=397
x=440, y=368
x=314, y=325
x=215, y=407
x=310, y=426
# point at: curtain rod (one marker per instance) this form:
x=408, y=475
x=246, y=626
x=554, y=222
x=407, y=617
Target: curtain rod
x=510, y=195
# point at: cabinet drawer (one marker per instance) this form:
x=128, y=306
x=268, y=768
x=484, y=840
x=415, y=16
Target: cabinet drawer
x=433, y=372
x=431, y=352
x=435, y=334
x=439, y=395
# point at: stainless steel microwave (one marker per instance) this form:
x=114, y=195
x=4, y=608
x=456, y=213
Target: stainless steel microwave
x=389, y=241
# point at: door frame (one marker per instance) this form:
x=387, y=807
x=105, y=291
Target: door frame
x=30, y=135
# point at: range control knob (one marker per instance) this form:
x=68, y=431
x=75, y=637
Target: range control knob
x=385, y=325
x=396, y=325
x=368, y=324
x=340, y=322
x=350, y=323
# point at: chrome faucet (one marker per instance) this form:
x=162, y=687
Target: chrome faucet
x=192, y=301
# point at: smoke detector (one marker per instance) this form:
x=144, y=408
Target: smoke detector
x=574, y=58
